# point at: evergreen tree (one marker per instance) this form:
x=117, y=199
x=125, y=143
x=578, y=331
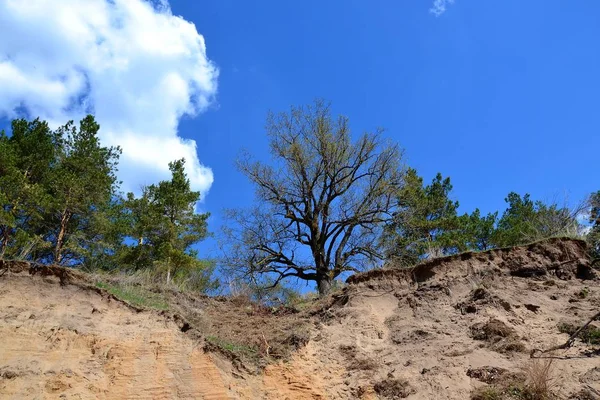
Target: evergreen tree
x=477, y=232
x=59, y=204
x=425, y=223
x=82, y=184
x=525, y=221
x=164, y=226
x=26, y=157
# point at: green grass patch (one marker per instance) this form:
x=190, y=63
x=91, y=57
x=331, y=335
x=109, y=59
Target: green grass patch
x=136, y=296
x=235, y=348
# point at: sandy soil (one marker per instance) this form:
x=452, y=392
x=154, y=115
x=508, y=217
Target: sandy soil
x=68, y=342
x=415, y=331
x=423, y=334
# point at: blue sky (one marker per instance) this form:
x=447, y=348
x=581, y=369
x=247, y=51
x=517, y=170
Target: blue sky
x=499, y=95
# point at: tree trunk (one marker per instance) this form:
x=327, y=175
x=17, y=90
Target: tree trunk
x=4, y=245
x=64, y=220
x=168, y=270
x=323, y=285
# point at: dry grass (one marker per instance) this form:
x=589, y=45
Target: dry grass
x=540, y=380
x=536, y=381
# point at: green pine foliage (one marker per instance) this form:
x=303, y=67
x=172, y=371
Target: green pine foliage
x=427, y=224
x=26, y=159
x=163, y=226
x=81, y=185
x=525, y=221
x=60, y=204
x=424, y=220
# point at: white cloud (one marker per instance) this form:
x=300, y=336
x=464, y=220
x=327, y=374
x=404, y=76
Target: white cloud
x=132, y=63
x=439, y=7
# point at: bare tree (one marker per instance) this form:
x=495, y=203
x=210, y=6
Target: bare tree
x=321, y=204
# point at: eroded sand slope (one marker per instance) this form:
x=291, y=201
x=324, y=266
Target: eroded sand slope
x=429, y=333
x=71, y=342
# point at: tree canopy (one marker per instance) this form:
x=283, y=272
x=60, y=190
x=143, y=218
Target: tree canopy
x=526, y=220
x=426, y=223
x=60, y=204
x=322, y=203
x=328, y=203
x=164, y=226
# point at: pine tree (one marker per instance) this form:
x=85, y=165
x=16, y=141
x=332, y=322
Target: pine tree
x=425, y=223
x=82, y=184
x=477, y=232
x=526, y=221
x=164, y=226
x=26, y=157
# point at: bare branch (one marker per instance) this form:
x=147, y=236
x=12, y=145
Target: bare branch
x=324, y=199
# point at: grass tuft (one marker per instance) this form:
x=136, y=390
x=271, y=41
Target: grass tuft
x=231, y=347
x=540, y=379
x=136, y=296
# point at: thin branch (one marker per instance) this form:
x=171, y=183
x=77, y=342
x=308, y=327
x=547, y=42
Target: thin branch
x=569, y=341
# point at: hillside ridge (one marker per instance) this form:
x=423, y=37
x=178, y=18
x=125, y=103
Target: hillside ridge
x=450, y=328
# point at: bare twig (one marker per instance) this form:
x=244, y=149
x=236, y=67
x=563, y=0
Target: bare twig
x=569, y=341
x=267, y=347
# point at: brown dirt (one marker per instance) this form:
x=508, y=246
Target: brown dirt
x=440, y=331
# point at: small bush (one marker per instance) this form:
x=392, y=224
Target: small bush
x=234, y=348
x=583, y=293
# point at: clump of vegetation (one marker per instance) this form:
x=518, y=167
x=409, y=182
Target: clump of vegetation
x=583, y=293
x=487, y=393
x=589, y=335
x=393, y=389
x=240, y=350
x=136, y=296
x=535, y=382
x=60, y=204
x=540, y=379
